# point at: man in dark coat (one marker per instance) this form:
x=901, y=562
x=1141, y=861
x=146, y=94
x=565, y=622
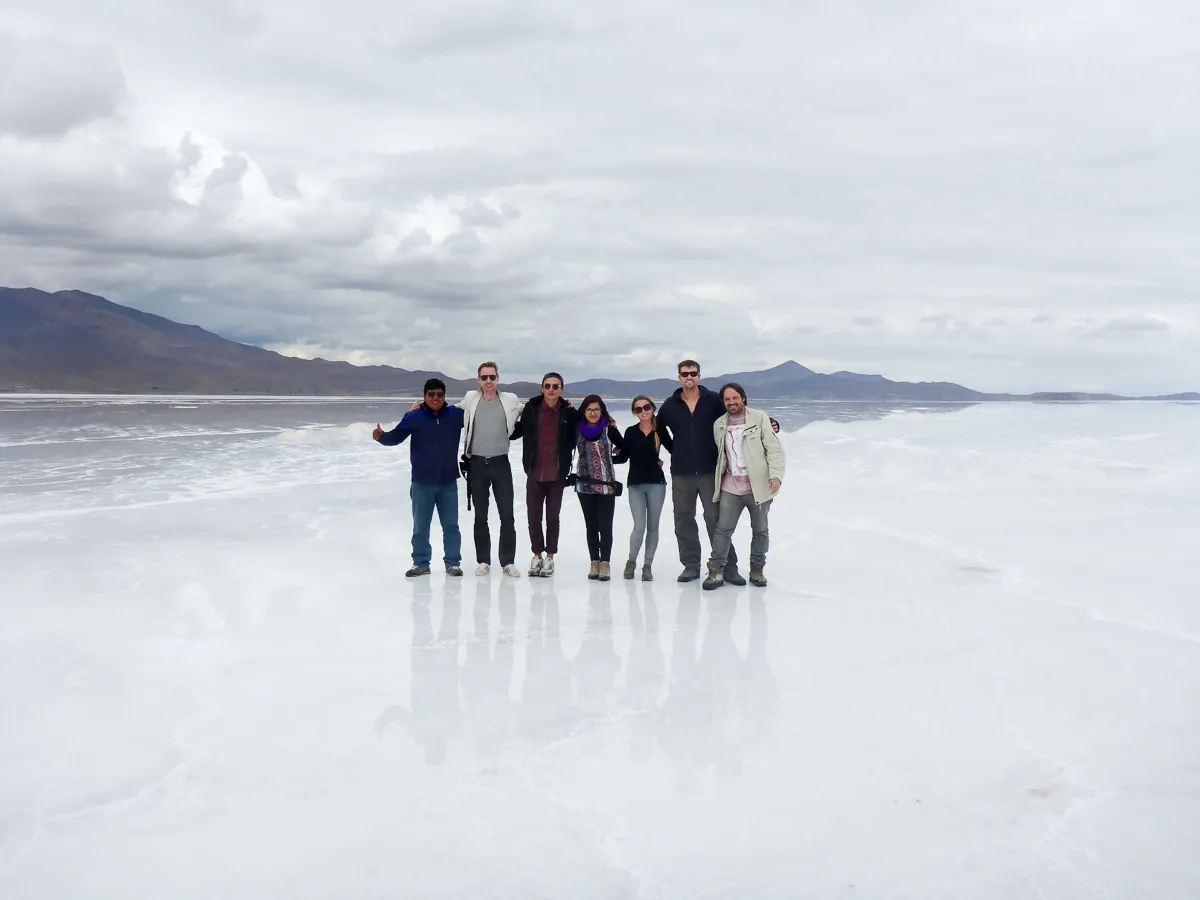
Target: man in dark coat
x=435, y=429
x=547, y=431
x=688, y=416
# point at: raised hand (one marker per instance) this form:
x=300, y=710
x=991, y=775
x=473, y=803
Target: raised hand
x=378, y=432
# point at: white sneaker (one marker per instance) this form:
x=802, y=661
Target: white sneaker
x=482, y=569
x=547, y=567
x=512, y=571
x=535, y=567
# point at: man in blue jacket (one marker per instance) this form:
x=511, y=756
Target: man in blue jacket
x=435, y=429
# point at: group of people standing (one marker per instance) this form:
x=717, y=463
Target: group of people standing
x=723, y=453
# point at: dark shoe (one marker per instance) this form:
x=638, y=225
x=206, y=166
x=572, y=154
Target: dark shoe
x=417, y=570
x=454, y=570
x=630, y=566
x=756, y=576
x=691, y=573
x=732, y=577
x=715, y=578
x=647, y=575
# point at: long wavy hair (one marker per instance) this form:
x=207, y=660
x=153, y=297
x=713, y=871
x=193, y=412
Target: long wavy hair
x=653, y=417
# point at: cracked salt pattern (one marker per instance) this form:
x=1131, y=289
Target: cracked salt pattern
x=975, y=673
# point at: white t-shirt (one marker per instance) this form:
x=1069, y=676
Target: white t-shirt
x=736, y=479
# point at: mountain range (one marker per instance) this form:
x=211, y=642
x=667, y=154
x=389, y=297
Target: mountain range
x=75, y=342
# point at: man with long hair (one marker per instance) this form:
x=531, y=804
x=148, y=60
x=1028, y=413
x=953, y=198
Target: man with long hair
x=750, y=468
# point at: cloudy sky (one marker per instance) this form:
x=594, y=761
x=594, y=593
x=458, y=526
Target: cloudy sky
x=1003, y=194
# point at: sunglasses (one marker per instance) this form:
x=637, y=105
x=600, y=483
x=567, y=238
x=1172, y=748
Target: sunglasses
x=435, y=394
x=642, y=409
x=552, y=387
x=692, y=374
x=488, y=377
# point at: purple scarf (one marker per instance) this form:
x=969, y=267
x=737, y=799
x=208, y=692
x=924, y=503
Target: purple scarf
x=591, y=432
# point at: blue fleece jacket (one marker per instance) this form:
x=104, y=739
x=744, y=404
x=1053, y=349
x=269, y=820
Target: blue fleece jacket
x=435, y=438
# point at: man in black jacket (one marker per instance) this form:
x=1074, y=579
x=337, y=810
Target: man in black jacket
x=547, y=431
x=688, y=416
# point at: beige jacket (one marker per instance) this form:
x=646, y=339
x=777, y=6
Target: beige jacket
x=761, y=448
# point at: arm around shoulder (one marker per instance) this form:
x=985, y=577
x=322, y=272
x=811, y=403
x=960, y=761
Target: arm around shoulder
x=776, y=458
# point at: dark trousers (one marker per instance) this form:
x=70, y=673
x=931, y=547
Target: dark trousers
x=684, y=491
x=598, y=511
x=548, y=494
x=494, y=473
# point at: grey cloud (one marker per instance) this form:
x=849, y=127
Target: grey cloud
x=869, y=188
x=472, y=29
x=1132, y=324
x=52, y=86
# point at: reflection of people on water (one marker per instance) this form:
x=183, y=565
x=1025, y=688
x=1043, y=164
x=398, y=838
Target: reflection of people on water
x=758, y=693
x=490, y=713
x=435, y=716
x=644, y=668
x=596, y=664
x=546, y=694
x=697, y=732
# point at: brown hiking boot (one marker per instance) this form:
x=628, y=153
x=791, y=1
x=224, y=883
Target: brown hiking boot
x=594, y=571
x=605, y=571
x=756, y=576
x=716, y=577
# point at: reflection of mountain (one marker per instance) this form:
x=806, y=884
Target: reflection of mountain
x=794, y=416
x=436, y=714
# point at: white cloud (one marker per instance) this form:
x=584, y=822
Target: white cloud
x=971, y=192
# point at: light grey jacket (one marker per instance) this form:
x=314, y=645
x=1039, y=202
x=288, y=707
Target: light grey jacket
x=470, y=404
x=762, y=449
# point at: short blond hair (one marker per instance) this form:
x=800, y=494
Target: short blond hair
x=487, y=365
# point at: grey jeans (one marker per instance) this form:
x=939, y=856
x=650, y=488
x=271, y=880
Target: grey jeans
x=684, y=491
x=730, y=511
x=646, y=503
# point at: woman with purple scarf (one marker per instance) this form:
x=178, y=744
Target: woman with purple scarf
x=599, y=448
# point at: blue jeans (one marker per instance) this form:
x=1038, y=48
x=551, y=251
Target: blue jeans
x=425, y=497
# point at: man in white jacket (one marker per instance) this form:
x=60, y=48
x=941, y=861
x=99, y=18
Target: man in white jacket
x=750, y=466
x=490, y=418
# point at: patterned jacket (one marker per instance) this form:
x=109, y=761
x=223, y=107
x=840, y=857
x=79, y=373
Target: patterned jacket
x=596, y=461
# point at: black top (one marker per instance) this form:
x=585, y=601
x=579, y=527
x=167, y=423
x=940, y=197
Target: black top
x=643, y=457
x=695, y=449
